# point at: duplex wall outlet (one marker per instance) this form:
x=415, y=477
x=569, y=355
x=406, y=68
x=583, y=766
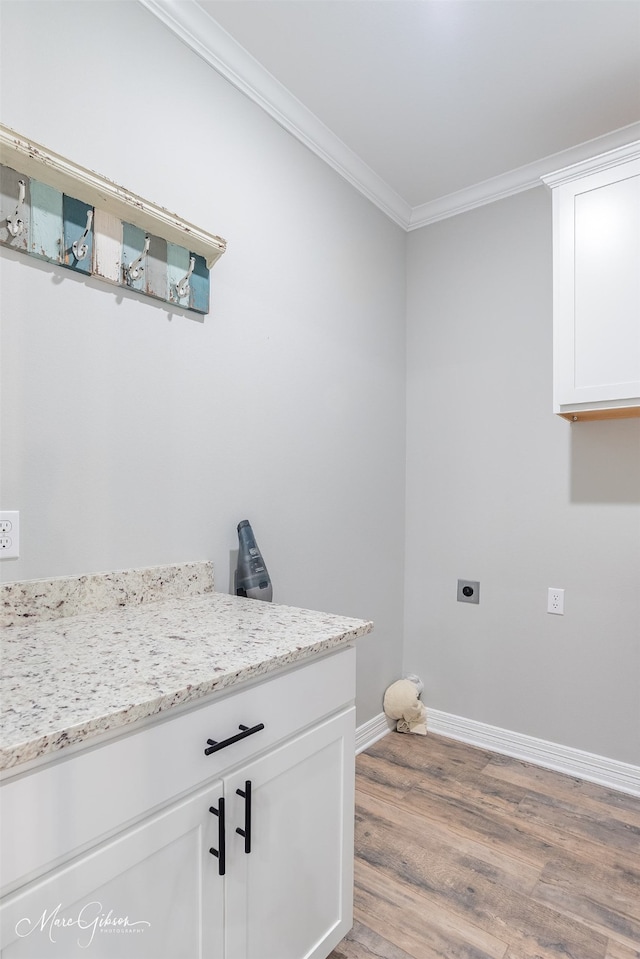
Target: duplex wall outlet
x=468, y=591
x=555, y=601
x=9, y=534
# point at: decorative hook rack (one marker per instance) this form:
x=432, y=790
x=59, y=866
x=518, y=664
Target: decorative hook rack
x=45, y=200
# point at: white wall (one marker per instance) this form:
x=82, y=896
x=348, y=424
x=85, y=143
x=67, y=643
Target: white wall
x=502, y=491
x=132, y=436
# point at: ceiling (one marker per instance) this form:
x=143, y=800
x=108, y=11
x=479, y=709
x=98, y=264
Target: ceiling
x=430, y=105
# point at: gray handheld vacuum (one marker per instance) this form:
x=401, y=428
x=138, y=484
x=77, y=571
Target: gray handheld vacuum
x=251, y=577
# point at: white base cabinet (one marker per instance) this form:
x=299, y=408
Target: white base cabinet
x=278, y=814
x=596, y=283
x=150, y=893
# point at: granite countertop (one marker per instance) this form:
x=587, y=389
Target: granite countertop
x=89, y=654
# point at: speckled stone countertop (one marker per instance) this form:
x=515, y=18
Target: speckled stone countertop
x=69, y=678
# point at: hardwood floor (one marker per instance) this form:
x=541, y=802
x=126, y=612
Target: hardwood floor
x=465, y=854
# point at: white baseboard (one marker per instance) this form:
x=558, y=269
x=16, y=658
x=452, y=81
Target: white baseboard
x=564, y=759
x=371, y=731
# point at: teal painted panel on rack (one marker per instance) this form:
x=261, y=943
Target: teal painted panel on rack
x=14, y=213
x=74, y=213
x=47, y=237
x=199, y=284
x=177, y=268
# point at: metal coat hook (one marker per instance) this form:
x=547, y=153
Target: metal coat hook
x=134, y=271
x=79, y=247
x=182, y=288
x=15, y=224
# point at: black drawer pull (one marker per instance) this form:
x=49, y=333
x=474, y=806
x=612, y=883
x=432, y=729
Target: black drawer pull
x=246, y=832
x=220, y=852
x=213, y=746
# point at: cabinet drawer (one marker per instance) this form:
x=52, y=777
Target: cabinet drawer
x=52, y=812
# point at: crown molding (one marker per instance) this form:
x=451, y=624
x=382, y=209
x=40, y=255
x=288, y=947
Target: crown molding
x=603, y=161
x=580, y=158
x=189, y=22
x=215, y=46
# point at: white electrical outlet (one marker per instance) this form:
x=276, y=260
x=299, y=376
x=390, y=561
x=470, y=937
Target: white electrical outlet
x=9, y=533
x=555, y=601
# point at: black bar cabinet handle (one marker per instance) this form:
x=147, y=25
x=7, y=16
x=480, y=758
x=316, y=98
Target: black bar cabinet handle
x=213, y=746
x=220, y=852
x=246, y=832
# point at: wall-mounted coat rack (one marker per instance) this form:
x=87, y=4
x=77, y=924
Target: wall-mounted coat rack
x=55, y=210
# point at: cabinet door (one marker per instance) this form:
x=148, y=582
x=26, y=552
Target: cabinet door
x=291, y=896
x=153, y=892
x=597, y=289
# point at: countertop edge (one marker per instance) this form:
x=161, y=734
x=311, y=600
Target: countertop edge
x=48, y=746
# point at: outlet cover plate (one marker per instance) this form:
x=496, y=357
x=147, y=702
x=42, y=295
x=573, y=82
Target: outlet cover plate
x=468, y=591
x=9, y=534
x=555, y=601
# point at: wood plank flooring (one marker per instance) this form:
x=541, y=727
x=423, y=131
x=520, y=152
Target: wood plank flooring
x=465, y=854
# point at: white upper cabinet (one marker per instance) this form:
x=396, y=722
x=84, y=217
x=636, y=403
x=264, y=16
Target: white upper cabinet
x=596, y=286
